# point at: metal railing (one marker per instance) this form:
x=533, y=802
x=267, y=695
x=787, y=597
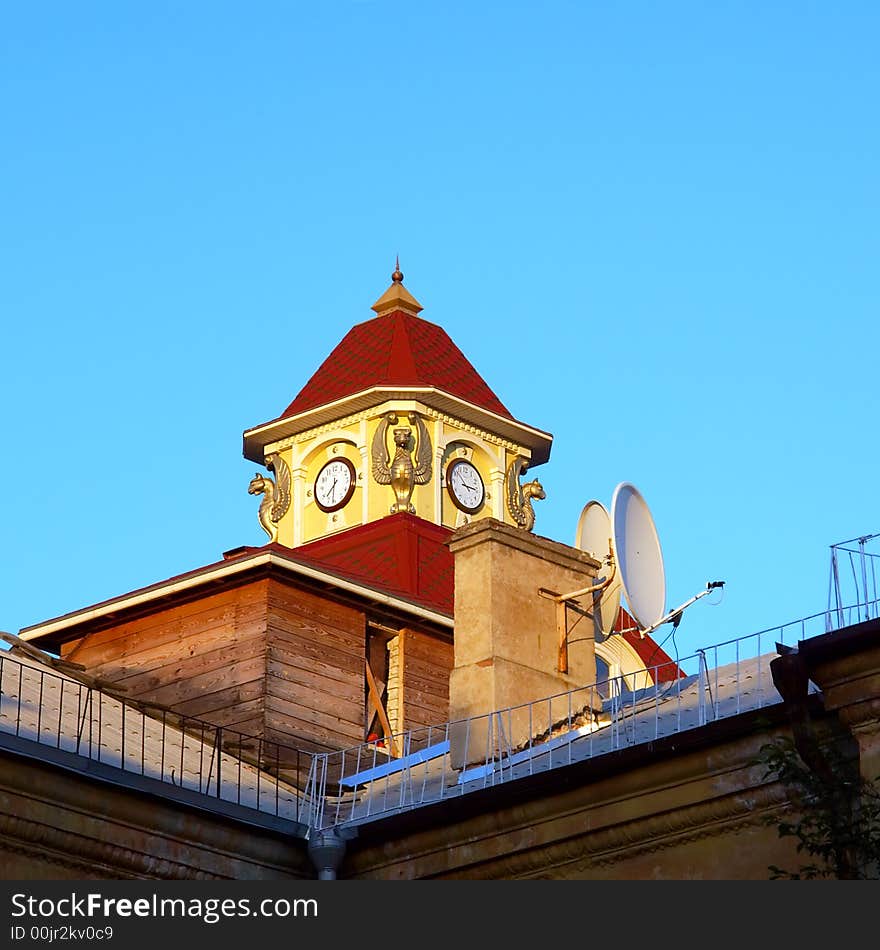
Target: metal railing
x=351, y=786
x=458, y=757
x=55, y=711
x=440, y=762
x=853, y=578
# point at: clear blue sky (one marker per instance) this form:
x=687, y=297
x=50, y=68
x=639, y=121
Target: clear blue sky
x=653, y=228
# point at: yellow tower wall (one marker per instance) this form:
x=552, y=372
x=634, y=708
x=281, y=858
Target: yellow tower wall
x=352, y=438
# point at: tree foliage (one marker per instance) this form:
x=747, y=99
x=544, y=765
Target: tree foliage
x=835, y=816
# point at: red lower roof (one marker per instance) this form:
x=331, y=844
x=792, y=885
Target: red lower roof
x=665, y=668
x=407, y=556
x=399, y=554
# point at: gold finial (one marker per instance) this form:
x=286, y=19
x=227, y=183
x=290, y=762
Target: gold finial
x=397, y=297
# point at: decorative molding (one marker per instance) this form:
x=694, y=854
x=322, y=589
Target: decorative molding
x=519, y=495
x=404, y=471
x=426, y=411
x=473, y=430
x=309, y=434
x=534, y=841
x=625, y=841
x=45, y=842
x=276, y=494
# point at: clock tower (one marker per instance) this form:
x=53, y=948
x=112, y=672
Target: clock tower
x=395, y=420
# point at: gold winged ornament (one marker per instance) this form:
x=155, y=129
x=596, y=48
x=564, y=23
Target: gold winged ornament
x=519, y=496
x=276, y=495
x=407, y=468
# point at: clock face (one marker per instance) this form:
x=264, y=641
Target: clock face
x=335, y=485
x=465, y=486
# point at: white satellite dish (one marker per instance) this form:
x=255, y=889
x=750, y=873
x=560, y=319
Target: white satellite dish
x=634, y=565
x=639, y=559
x=593, y=535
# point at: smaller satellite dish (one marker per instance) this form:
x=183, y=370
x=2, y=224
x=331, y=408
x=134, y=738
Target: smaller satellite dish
x=593, y=536
x=593, y=533
x=638, y=555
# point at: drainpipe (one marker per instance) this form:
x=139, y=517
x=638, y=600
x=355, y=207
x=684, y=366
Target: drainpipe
x=326, y=849
x=792, y=680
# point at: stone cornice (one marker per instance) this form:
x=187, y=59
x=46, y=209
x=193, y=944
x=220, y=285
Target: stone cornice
x=544, y=549
x=624, y=842
x=87, y=825
x=47, y=842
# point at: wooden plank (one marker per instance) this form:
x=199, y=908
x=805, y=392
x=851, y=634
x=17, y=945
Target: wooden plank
x=304, y=745
x=301, y=734
x=427, y=713
x=196, y=629
x=296, y=679
x=312, y=656
x=222, y=699
x=428, y=662
x=235, y=674
x=427, y=685
x=69, y=647
x=402, y=646
x=169, y=615
x=310, y=703
x=320, y=608
x=317, y=691
x=145, y=625
x=427, y=671
x=295, y=631
x=430, y=690
x=251, y=726
x=228, y=715
x=162, y=668
x=316, y=719
x=376, y=698
x=306, y=653
x=439, y=710
x=562, y=637
x=438, y=659
x=425, y=647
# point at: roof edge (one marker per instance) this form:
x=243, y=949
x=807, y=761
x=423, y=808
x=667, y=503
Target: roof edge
x=221, y=571
x=257, y=437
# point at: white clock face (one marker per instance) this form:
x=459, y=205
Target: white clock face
x=465, y=485
x=334, y=485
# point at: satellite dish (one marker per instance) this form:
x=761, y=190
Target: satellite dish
x=637, y=553
x=593, y=536
x=593, y=533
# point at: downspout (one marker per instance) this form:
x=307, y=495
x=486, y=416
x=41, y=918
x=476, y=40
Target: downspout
x=792, y=680
x=793, y=683
x=326, y=849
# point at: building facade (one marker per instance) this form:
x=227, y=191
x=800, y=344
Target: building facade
x=388, y=687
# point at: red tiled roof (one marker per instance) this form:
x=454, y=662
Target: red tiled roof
x=399, y=554
x=395, y=349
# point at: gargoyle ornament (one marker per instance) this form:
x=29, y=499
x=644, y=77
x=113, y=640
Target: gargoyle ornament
x=409, y=467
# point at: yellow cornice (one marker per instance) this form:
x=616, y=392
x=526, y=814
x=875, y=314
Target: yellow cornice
x=538, y=442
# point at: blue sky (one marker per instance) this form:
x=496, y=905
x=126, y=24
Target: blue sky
x=651, y=227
